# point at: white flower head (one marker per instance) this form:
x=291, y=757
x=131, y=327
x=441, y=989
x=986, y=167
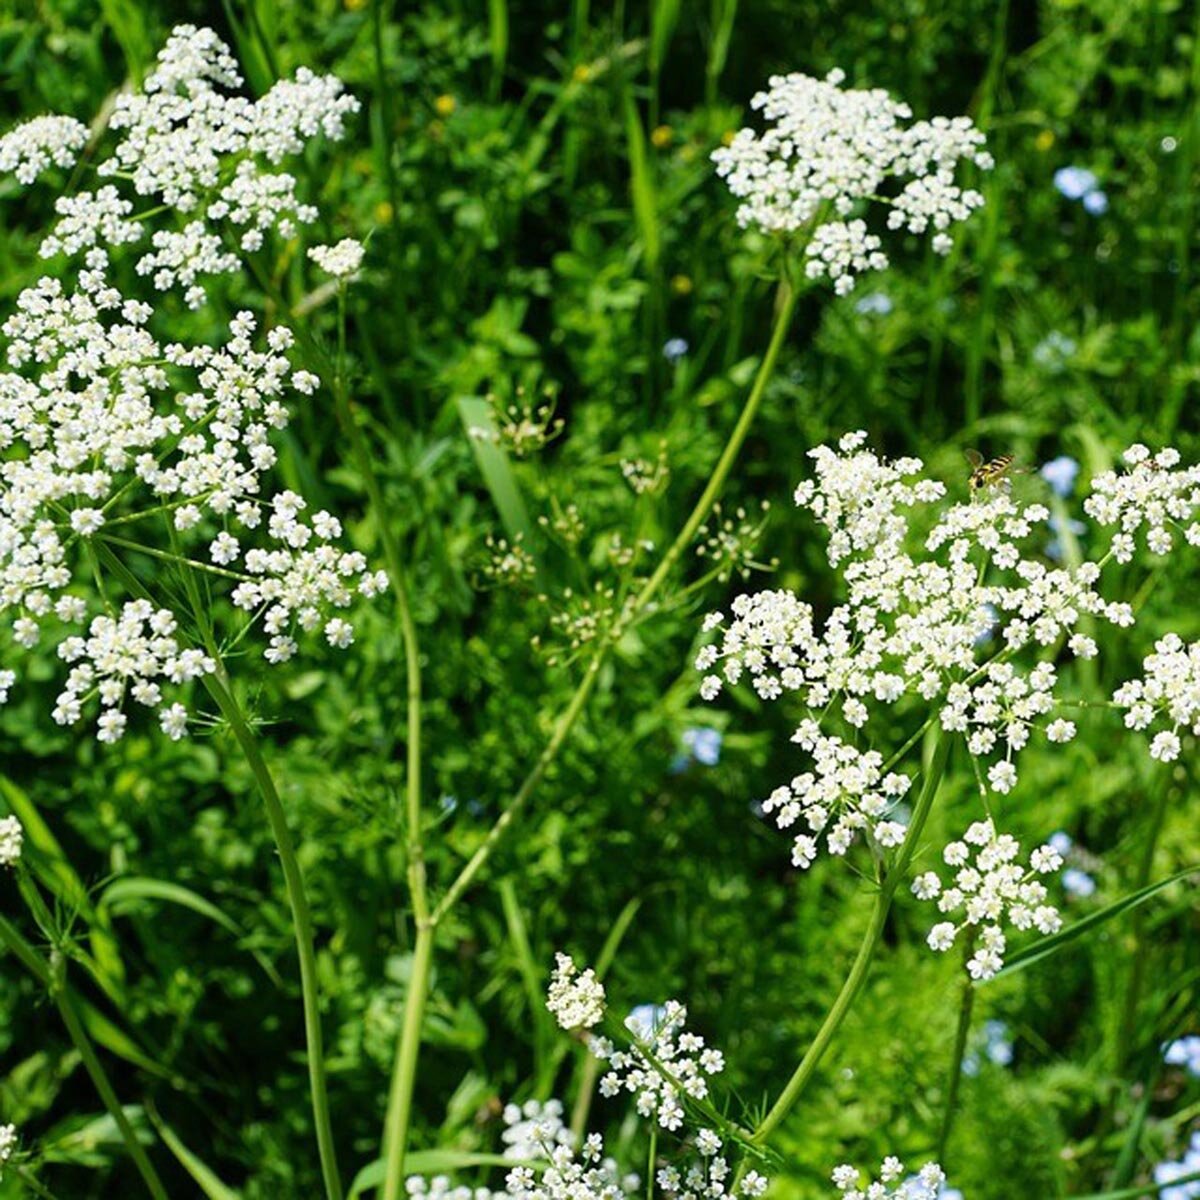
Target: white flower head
x=826, y=159
x=576, y=999
x=12, y=837
x=989, y=890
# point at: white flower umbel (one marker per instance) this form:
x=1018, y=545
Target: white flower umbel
x=341, y=260
x=116, y=441
x=531, y=1127
x=188, y=140
x=1155, y=495
x=990, y=888
x=944, y=605
x=680, y=1068
x=8, y=1143
x=575, y=999
x=709, y=1176
x=31, y=148
x=831, y=156
x=12, y=837
x=1167, y=694
x=892, y=1183
x=588, y=1175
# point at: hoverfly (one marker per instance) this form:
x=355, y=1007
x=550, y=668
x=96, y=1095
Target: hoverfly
x=990, y=472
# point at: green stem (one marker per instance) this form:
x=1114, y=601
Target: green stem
x=966, y=1004
x=95, y=1069
x=27, y=1177
x=404, y=1070
x=1127, y=1036
x=640, y=603
x=54, y=978
x=866, y=952
x=404, y=1073
x=301, y=921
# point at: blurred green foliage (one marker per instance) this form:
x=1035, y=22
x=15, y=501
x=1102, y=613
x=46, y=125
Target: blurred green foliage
x=534, y=180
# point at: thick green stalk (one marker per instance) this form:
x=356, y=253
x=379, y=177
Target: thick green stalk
x=54, y=979
x=866, y=952
x=965, y=1006
x=301, y=923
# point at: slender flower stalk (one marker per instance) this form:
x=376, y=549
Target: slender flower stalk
x=965, y=1006
x=404, y=1071
x=222, y=693
x=866, y=952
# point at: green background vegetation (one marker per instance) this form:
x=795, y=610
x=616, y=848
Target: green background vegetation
x=538, y=232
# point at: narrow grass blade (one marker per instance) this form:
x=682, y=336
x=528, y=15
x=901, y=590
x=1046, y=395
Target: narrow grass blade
x=130, y=893
x=1054, y=943
x=498, y=40
x=664, y=16
x=641, y=184
x=1146, y=1189
x=497, y=471
x=206, y=1179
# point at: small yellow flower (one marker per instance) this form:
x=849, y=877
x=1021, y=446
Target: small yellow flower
x=582, y=73
x=681, y=285
x=727, y=137
x=383, y=212
x=1045, y=140
x=355, y=5
x=445, y=105
x=661, y=137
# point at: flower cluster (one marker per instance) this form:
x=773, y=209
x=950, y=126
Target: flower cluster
x=848, y=792
x=8, y=1142
x=12, y=837
x=117, y=441
x=892, y=1183
x=341, y=261
x=709, y=1176
x=946, y=603
x=989, y=888
x=1184, y=1052
x=1154, y=494
x=33, y=147
x=1169, y=690
x=588, y=1175
x=189, y=140
x=576, y=999
x=831, y=152
x=674, y=1064
x=531, y=1128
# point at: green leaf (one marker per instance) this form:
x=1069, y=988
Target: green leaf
x=427, y=1162
x=1054, y=943
x=51, y=866
x=641, y=185
x=498, y=40
x=1146, y=1189
x=663, y=18
x=128, y=894
x=494, y=466
x=206, y=1178
x=608, y=951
